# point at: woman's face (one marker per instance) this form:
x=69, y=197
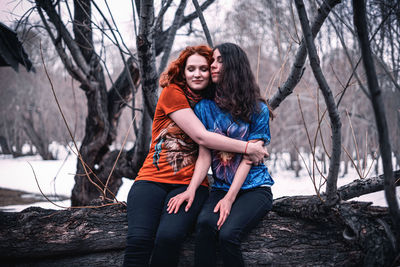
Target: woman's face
x=197, y=72
x=216, y=66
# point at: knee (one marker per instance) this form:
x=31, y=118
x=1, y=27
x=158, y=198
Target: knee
x=139, y=242
x=229, y=235
x=169, y=237
x=206, y=224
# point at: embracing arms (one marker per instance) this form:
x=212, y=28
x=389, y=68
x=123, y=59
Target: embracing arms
x=192, y=126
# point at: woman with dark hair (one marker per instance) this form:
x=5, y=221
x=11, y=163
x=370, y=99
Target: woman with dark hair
x=154, y=236
x=241, y=193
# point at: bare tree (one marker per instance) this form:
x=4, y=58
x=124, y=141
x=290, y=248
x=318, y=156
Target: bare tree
x=78, y=53
x=378, y=106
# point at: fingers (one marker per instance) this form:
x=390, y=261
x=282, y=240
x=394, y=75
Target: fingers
x=266, y=154
x=223, y=214
x=174, y=204
x=178, y=205
x=217, y=207
x=222, y=218
x=170, y=204
x=189, y=204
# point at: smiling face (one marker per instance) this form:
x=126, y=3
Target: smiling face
x=216, y=66
x=197, y=72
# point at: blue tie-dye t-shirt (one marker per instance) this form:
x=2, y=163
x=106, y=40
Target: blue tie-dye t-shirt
x=225, y=164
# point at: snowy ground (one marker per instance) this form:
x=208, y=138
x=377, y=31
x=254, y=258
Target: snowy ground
x=57, y=177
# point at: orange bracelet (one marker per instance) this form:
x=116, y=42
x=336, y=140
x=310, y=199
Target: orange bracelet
x=245, y=150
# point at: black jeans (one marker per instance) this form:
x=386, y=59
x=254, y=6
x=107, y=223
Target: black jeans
x=152, y=232
x=247, y=211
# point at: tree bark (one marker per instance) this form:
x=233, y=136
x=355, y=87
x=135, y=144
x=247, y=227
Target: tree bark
x=331, y=185
x=289, y=235
x=360, y=23
x=104, y=107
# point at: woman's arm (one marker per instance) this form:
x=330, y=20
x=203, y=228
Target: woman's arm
x=203, y=163
x=192, y=126
x=225, y=204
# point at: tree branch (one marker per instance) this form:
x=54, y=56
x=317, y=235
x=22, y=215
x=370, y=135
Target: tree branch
x=171, y=35
x=297, y=68
x=82, y=27
x=120, y=93
x=361, y=187
x=377, y=103
x=65, y=35
x=203, y=23
x=160, y=37
x=160, y=16
x=75, y=72
x=331, y=186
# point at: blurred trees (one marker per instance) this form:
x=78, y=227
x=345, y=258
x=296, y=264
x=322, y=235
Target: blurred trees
x=81, y=49
x=29, y=115
x=270, y=32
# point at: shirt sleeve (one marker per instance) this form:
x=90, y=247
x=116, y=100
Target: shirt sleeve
x=259, y=127
x=172, y=98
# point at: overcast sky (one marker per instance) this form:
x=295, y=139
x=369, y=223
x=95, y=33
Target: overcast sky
x=11, y=10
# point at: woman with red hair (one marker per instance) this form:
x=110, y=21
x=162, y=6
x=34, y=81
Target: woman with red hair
x=154, y=235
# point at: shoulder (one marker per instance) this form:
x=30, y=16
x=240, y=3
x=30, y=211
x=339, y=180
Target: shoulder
x=263, y=111
x=171, y=89
x=205, y=104
x=263, y=107
x=171, y=94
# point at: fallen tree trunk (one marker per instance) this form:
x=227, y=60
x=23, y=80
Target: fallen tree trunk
x=96, y=236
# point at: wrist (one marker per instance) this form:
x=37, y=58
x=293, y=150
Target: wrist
x=230, y=197
x=191, y=189
x=248, y=148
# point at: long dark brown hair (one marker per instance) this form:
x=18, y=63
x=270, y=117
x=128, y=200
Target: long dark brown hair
x=237, y=91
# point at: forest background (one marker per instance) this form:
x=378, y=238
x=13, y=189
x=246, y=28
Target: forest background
x=93, y=66
x=270, y=34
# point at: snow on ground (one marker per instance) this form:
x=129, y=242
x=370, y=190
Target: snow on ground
x=56, y=177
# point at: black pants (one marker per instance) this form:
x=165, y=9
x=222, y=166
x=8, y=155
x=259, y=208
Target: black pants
x=247, y=211
x=152, y=232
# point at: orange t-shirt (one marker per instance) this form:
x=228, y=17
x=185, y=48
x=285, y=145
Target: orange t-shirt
x=173, y=153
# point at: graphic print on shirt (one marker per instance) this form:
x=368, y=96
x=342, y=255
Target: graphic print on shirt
x=224, y=163
x=181, y=150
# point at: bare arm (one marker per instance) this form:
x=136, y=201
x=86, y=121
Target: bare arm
x=192, y=126
x=203, y=163
x=225, y=204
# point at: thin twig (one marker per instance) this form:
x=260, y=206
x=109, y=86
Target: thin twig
x=40, y=189
x=64, y=119
x=119, y=154
x=258, y=62
x=354, y=138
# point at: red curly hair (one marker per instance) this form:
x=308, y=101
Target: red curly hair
x=175, y=71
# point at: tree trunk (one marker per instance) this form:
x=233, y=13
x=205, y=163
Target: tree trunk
x=5, y=149
x=289, y=235
x=40, y=141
